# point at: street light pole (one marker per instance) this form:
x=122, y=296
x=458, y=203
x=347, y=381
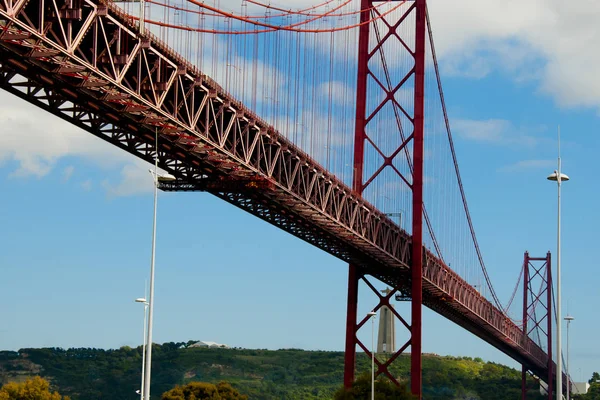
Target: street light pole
x=148, y=366
x=558, y=176
x=142, y=16
x=143, y=301
x=148, y=362
x=568, y=318
x=372, y=315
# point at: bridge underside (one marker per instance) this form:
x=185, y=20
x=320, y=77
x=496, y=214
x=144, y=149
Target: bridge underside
x=212, y=143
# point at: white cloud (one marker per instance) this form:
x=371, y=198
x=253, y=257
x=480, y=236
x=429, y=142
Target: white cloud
x=483, y=35
x=529, y=164
x=492, y=130
x=134, y=179
x=86, y=185
x=468, y=66
x=339, y=92
x=35, y=140
x=68, y=172
x=496, y=131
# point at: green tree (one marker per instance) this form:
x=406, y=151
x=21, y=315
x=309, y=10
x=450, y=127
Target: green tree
x=34, y=388
x=229, y=393
x=594, y=391
x=384, y=390
x=203, y=391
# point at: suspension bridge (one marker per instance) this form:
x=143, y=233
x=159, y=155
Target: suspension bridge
x=325, y=120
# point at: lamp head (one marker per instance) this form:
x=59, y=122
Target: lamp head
x=569, y=318
x=554, y=177
x=371, y=314
x=140, y=300
x=166, y=178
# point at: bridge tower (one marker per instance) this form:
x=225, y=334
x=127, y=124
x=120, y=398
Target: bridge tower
x=537, y=310
x=370, y=48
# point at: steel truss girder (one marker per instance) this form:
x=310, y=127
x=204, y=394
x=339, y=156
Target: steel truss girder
x=85, y=62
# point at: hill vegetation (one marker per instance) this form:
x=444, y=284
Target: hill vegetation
x=90, y=374
x=34, y=388
x=203, y=390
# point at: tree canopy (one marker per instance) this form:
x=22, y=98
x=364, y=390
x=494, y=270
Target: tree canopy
x=204, y=391
x=594, y=390
x=34, y=388
x=384, y=390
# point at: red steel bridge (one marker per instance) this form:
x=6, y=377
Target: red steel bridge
x=301, y=133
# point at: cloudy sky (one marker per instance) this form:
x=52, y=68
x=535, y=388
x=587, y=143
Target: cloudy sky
x=76, y=213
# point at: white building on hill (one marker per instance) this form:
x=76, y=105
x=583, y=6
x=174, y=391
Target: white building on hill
x=212, y=345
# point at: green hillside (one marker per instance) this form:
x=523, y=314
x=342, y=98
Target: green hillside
x=91, y=374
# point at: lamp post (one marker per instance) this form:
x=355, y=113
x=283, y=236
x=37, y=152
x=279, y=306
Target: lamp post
x=142, y=16
x=145, y=303
x=372, y=315
x=148, y=362
x=559, y=177
x=568, y=318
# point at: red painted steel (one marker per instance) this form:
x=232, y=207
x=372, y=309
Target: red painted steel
x=525, y=320
x=365, y=55
x=122, y=91
x=551, y=374
x=357, y=186
x=538, y=270
x=417, y=204
x=383, y=367
x=361, y=97
x=350, y=349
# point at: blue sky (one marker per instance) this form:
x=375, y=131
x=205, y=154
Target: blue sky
x=76, y=214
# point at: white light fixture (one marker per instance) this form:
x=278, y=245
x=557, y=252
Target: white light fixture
x=162, y=177
x=554, y=177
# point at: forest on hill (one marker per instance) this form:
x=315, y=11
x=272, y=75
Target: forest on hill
x=91, y=374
